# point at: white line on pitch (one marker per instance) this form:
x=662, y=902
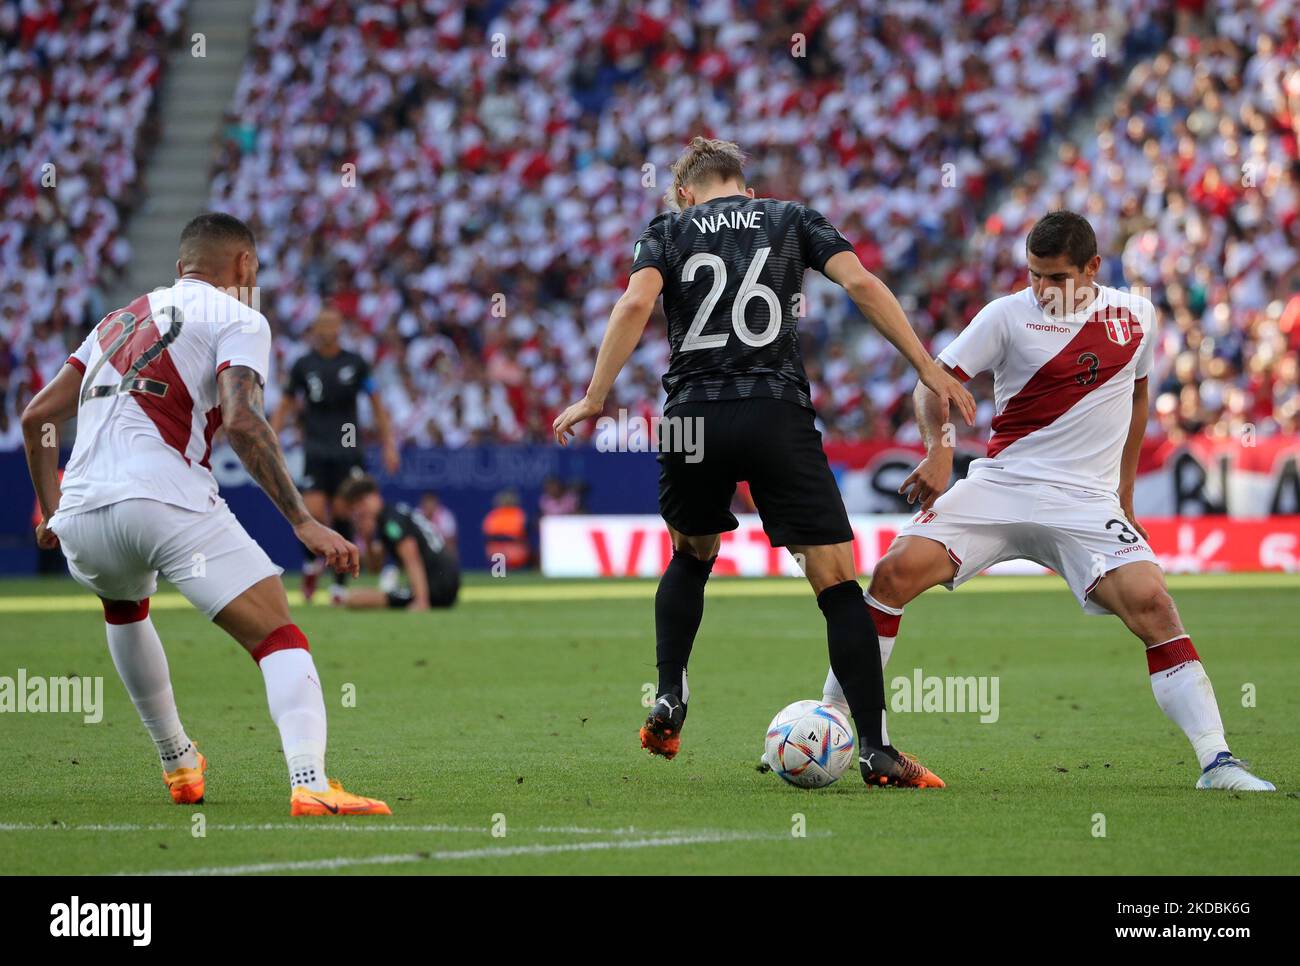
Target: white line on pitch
x=336, y=826
x=492, y=852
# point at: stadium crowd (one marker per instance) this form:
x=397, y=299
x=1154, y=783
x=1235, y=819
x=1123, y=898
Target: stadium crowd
x=466, y=180
x=1192, y=180
x=77, y=82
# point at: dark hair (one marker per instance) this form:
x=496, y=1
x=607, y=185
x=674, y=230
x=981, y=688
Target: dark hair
x=355, y=487
x=214, y=228
x=1063, y=233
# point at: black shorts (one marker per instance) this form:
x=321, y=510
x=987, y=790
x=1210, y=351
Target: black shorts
x=769, y=443
x=327, y=473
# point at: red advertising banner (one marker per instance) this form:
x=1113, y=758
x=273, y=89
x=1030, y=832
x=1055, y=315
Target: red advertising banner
x=638, y=546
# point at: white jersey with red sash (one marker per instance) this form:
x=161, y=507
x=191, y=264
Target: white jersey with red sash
x=1063, y=386
x=149, y=404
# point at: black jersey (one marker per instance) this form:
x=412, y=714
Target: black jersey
x=733, y=280
x=398, y=521
x=329, y=387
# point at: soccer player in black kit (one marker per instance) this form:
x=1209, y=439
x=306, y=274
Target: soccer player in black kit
x=322, y=389
x=430, y=564
x=730, y=267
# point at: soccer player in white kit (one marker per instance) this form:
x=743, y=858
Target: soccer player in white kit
x=1070, y=361
x=149, y=386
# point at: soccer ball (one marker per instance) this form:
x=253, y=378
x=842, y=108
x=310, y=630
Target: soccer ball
x=809, y=744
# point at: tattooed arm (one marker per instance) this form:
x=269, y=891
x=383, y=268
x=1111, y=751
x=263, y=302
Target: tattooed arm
x=255, y=443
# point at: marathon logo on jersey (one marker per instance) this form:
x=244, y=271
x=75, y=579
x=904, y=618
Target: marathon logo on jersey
x=75, y=919
x=1119, y=325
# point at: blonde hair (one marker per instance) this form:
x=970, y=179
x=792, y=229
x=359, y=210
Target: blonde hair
x=705, y=160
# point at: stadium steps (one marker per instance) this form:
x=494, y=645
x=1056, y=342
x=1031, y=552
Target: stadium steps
x=195, y=95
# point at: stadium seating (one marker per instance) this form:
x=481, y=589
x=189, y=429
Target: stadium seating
x=467, y=183
x=77, y=85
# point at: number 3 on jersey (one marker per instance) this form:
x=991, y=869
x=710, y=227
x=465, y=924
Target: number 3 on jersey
x=750, y=288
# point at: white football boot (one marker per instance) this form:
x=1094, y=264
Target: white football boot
x=1230, y=774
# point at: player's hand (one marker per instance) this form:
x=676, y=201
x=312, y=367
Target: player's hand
x=928, y=481
x=339, y=554
x=46, y=538
x=417, y=605
x=1127, y=506
x=392, y=459
x=584, y=408
x=949, y=390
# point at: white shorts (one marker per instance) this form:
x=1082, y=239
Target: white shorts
x=1081, y=536
x=117, y=552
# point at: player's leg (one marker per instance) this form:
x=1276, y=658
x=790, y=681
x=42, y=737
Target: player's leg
x=679, y=610
x=1136, y=592
x=141, y=663
x=694, y=500
x=911, y=566
x=239, y=589
x=107, y=562
x=801, y=508
x=369, y=598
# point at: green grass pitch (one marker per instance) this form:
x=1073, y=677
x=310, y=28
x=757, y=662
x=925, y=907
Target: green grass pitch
x=517, y=714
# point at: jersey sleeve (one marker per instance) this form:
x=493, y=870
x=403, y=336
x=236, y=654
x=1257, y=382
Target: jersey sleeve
x=80, y=358
x=819, y=238
x=980, y=346
x=297, y=384
x=246, y=342
x=649, y=251
x=365, y=376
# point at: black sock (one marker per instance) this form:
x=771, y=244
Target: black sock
x=679, y=607
x=855, y=656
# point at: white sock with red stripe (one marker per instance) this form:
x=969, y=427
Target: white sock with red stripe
x=1185, y=695
x=293, y=694
x=141, y=663
x=886, y=619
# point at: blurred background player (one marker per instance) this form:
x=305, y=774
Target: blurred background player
x=321, y=394
x=428, y=561
x=731, y=270
x=150, y=385
x=1071, y=360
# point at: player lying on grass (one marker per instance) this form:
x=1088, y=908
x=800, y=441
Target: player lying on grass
x=1070, y=360
x=395, y=530
x=731, y=269
x=149, y=387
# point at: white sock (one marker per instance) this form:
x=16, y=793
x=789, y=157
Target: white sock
x=297, y=706
x=1185, y=695
x=886, y=642
x=833, y=694
x=141, y=663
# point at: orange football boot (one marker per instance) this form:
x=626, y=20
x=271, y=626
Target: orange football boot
x=336, y=801
x=186, y=784
x=904, y=771
x=662, y=732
